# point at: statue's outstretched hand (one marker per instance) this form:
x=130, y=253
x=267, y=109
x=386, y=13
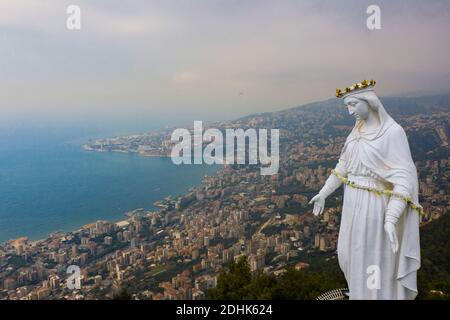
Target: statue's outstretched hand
x=319, y=204
x=389, y=227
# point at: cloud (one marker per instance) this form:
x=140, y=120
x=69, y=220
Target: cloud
x=186, y=78
x=197, y=55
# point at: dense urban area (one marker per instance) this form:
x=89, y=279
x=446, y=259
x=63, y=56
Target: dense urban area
x=180, y=251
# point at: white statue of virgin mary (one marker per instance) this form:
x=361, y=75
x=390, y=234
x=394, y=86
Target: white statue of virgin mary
x=378, y=244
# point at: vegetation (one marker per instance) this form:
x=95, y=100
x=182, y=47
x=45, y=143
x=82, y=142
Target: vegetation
x=434, y=275
x=17, y=262
x=238, y=283
x=122, y=295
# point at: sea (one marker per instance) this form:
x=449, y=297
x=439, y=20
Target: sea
x=49, y=183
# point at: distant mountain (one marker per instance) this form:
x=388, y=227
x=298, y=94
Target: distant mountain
x=396, y=106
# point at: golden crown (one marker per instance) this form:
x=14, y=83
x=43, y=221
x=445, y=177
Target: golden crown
x=365, y=84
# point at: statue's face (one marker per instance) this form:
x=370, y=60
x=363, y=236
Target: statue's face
x=357, y=108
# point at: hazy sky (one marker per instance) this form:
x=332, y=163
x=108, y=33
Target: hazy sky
x=218, y=58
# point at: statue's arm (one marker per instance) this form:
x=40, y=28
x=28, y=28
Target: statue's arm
x=341, y=167
x=330, y=186
x=395, y=206
x=334, y=182
x=394, y=210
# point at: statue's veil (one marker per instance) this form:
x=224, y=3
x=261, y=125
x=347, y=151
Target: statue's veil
x=375, y=104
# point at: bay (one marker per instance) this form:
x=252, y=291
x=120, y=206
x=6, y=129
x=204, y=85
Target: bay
x=49, y=183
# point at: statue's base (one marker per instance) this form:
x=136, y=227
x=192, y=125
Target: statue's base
x=336, y=294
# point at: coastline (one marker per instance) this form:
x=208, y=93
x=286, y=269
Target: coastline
x=116, y=219
x=52, y=233
x=87, y=148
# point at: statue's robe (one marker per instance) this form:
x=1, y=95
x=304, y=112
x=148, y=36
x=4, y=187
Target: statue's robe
x=379, y=159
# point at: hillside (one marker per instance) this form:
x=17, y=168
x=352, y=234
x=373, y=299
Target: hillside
x=323, y=273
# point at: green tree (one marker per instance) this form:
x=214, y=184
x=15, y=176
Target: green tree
x=122, y=295
x=233, y=285
x=261, y=287
x=303, y=285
